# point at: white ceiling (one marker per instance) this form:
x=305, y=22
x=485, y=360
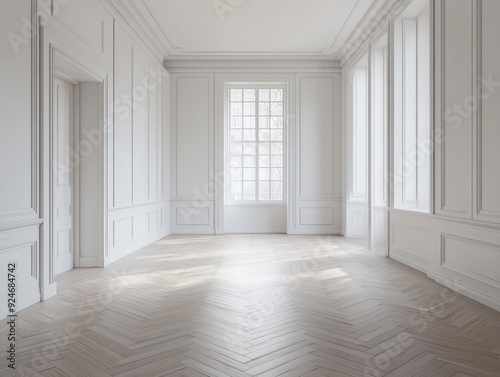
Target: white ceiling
x=307, y=28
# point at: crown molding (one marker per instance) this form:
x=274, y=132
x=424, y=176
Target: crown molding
x=138, y=13
x=375, y=20
x=250, y=63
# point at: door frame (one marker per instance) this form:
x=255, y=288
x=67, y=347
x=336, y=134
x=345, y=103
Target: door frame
x=75, y=71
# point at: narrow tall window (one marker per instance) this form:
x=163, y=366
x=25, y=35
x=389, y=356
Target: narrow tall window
x=256, y=144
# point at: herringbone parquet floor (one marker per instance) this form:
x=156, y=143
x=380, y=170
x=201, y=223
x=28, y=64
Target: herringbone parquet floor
x=255, y=305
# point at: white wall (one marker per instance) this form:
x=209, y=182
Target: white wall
x=20, y=216
x=124, y=136
x=314, y=149
x=138, y=210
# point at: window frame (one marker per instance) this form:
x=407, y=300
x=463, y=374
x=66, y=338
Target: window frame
x=227, y=142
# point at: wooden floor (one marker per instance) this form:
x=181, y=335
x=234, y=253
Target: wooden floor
x=255, y=305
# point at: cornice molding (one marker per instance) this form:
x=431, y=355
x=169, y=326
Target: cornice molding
x=375, y=20
x=250, y=63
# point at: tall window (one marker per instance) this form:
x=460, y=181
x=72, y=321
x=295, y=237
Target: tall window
x=256, y=144
x=411, y=110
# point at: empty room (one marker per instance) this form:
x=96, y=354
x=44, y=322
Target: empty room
x=233, y=188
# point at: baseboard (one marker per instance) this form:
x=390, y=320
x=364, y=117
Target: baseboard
x=92, y=262
x=418, y=263
x=192, y=232
x=474, y=290
x=319, y=232
x=255, y=231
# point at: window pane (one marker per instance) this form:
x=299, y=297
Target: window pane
x=264, y=135
x=276, y=135
x=264, y=148
x=276, y=161
x=249, y=94
x=264, y=174
x=276, y=94
x=236, y=174
x=236, y=162
x=236, y=94
x=276, y=174
x=264, y=188
x=249, y=161
x=236, y=108
x=264, y=161
x=264, y=94
x=249, y=108
x=264, y=122
x=248, y=190
x=249, y=174
x=249, y=135
x=236, y=135
x=276, y=122
x=236, y=122
x=277, y=148
x=250, y=149
x=263, y=108
x=276, y=187
x=277, y=108
x=237, y=186
x=249, y=122
x=236, y=149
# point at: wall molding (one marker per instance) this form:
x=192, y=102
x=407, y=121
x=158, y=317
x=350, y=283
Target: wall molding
x=250, y=63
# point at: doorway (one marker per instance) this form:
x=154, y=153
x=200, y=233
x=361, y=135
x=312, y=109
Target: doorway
x=77, y=140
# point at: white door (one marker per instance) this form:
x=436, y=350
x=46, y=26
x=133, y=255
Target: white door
x=63, y=176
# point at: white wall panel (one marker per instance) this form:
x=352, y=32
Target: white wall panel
x=21, y=246
x=456, y=79
x=456, y=256
x=488, y=135
x=140, y=124
x=154, y=121
x=318, y=155
x=316, y=137
x=122, y=133
x=317, y=216
x=17, y=133
x=194, y=99
x=261, y=219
